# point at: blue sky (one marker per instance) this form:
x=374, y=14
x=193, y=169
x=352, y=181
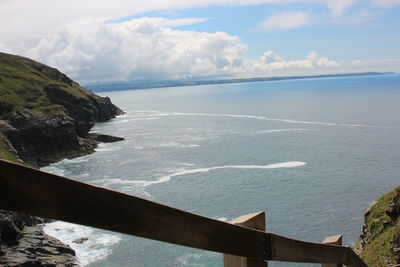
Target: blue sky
x=124, y=40
x=340, y=38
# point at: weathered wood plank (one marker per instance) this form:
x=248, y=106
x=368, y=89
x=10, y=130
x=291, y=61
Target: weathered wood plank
x=291, y=250
x=34, y=192
x=47, y=195
x=254, y=221
x=332, y=240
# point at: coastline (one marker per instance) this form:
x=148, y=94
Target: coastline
x=44, y=117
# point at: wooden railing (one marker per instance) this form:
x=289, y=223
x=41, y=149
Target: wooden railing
x=38, y=193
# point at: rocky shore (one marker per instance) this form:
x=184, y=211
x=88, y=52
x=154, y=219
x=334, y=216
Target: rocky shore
x=23, y=243
x=44, y=117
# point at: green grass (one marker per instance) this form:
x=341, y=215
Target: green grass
x=5, y=152
x=23, y=82
x=377, y=251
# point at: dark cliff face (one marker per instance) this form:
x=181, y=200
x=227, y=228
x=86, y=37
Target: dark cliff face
x=51, y=115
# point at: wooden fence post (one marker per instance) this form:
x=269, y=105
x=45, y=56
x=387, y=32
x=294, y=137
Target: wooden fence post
x=332, y=240
x=254, y=221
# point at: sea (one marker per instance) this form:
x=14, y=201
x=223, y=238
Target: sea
x=311, y=153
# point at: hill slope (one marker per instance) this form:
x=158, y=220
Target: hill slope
x=44, y=115
x=379, y=243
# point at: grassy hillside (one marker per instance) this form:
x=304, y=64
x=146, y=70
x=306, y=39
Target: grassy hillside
x=381, y=233
x=44, y=115
x=23, y=84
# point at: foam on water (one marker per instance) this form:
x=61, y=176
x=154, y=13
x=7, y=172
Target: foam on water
x=135, y=119
x=97, y=247
x=54, y=170
x=102, y=147
x=196, y=259
x=161, y=114
x=282, y=130
x=167, y=178
x=165, y=144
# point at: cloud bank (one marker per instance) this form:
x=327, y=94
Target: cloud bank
x=85, y=40
x=146, y=48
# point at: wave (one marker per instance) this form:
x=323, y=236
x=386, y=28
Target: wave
x=165, y=144
x=283, y=130
x=105, y=147
x=134, y=119
x=95, y=246
x=265, y=118
x=167, y=178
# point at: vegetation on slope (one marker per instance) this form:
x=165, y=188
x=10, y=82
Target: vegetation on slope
x=44, y=115
x=380, y=240
x=5, y=150
x=24, y=82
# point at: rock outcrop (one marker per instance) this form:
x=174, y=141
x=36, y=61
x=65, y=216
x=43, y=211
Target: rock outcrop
x=379, y=241
x=44, y=117
x=22, y=243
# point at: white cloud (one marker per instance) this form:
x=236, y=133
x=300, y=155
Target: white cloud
x=385, y=3
x=379, y=65
x=137, y=49
x=146, y=49
x=26, y=19
x=338, y=7
x=72, y=36
x=270, y=56
x=270, y=64
x=285, y=21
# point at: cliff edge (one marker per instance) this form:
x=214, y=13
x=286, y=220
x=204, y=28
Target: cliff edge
x=44, y=117
x=379, y=242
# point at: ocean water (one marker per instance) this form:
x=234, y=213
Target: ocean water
x=312, y=154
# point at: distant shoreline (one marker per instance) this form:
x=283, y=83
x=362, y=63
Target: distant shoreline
x=160, y=84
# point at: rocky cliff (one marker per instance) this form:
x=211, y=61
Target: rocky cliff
x=379, y=242
x=44, y=117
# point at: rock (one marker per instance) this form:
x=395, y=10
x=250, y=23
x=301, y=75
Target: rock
x=35, y=248
x=80, y=240
x=10, y=233
x=103, y=138
x=44, y=117
x=394, y=210
x=379, y=241
x=23, y=243
x=368, y=210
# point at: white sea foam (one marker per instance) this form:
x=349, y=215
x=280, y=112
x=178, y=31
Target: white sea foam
x=167, y=178
x=105, y=147
x=165, y=144
x=186, y=259
x=187, y=164
x=97, y=246
x=78, y=160
x=160, y=114
x=54, y=170
x=135, y=119
x=283, y=130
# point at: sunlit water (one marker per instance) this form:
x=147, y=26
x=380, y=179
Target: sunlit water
x=312, y=154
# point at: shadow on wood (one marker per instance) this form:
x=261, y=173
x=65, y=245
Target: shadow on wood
x=253, y=221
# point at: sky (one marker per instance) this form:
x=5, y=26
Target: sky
x=94, y=41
